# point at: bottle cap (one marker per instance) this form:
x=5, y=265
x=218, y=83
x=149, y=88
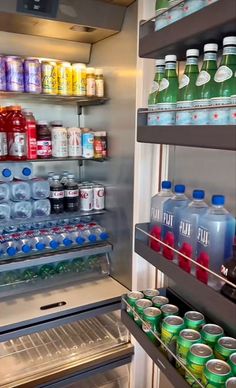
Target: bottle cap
x=54, y=244
x=166, y=184
x=92, y=238
x=90, y=70
x=80, y=240
x=160, y=62
x=51, y=173
x=16, y=107
x=198, y=194
x=179, y=189
x=170, y=58
x=42, y=122
x=218, y=200
x=71, y=176
x=56, y=177
x=11, y=251
x=104, y=236
x=192, y=53
x=6, y=172
x=229, y=40
x=98, y=71
x=67, y=242
x=26, y=171
x=210, y=47
x=26, y=248
x=40, y=246
x=56, y=123
x=79, y=65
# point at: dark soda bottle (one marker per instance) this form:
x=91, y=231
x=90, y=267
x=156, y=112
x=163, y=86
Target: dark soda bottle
x=71, y=194
x=56, y=195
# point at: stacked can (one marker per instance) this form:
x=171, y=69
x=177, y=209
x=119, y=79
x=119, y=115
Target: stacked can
x=185, y=340
x=197, y=358
x=92, y=196
x=132, y=298
x=216, y=373
x=211, y=333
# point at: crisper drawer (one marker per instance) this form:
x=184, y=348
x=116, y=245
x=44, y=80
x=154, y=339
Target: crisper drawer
x=64, y=352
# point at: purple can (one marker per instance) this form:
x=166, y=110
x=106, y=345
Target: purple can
x=32, y=76
x=15, y=78
x=3, y=80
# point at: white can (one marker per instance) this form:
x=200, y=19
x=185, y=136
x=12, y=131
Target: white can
x=59, y=142
x=99, y=197
x=74, y=142
x=86, y=198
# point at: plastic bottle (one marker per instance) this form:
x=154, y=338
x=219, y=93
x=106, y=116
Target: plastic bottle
x=40, y=188
x=6, y=172
x=71, y=194
x=169, y=227
x=3, y=136
x=47, y=271
x=187, y=88
x=9, y=248
x=41, y=207
x=50, y=176
x=15, y=125
x=5, y=211
x=152, y=99
x=78, y=238
x=52, y=241
x=44, y=142
x=38, y=243
x=57, y=195
x=4, y=192
x=31, y=134
x=24, y=245
x=21, y=210
x=65, y=239
x=187, y=223
x=157, y=203
x=64, y=177
x=20, y=191
x=100, y=233
x=23, y=171
x=215, y=236
x=99, y=83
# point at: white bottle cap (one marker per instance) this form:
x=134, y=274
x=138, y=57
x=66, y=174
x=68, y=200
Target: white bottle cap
x=228, y=40
x=192, y=53
x=160, y=62
x=56, y=177
x=170, y=58
x=90, y=70
x=79, y=65
x=71, y=176
x=98, y=71
x=42, y=122
x=211, y=47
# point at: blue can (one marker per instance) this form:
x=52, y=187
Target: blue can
x=87, y=142
x=3, y=80
x=32, y=76
x=15, y=77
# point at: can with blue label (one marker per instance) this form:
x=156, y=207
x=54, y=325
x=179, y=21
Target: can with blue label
x=88, y=142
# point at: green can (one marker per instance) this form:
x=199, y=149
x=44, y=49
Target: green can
x=152, y=318
x=216, y=373
x=232, y=363
x=150, y=293
x=159, y=301
x=170, y=329
x=194, y=320
x=132, y=298
x=197, y=357
x=211, y=333
x=140, y=306
x=224, y=347
x=231, y=383
x=169, y=309
x=185, y=340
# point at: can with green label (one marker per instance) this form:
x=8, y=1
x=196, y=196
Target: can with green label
x=232, y=363
x=211, y=333
x=170, y=329
x=186, y=338
x=197, y=357
x=216, y=373
x=231, y=382
x=152, y=318
x=150, y=293
x=194, y=320
x=159, y=301
x=140, y=306
x=169, y=309
x=132, y=298
x=224, y=347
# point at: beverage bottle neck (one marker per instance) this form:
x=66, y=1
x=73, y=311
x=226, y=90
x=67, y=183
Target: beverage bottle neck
x=179, y=196
x=229, y=55
x=170, y=70
x=191, y=66
x=209, y=61
x=160, y=71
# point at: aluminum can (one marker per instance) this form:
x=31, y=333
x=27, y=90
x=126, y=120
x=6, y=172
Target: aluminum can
x=232, y=363
x=159, y=301
x=185, y=340
x=74, y=142
x=59, y=142
x=197, y=358
x=216, y=373
x=79, y=79
x=224, y=347
x=231, y=383
x=211, y=333
x=131, y=298
x=3, y=79
x=87, y=142
x=49, y=78
x=194, y=320
x=150, y=293
x=14, y=71
x=99, y=197
x=169, y=309
x=170, y=329
x=140, y=306
x=86, y=197
x=64, y=78
x=32, y=75
x=152, y=318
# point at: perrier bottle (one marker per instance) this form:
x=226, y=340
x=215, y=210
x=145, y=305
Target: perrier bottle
x=152, y=100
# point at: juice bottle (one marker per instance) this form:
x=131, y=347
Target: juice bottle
x=3, y=136
x=16, y=134
x=31, y=135
x=152, y=99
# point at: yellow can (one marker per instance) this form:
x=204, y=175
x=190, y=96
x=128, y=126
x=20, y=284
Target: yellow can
x=49, y=77
x=64, y=76
x=79, y=79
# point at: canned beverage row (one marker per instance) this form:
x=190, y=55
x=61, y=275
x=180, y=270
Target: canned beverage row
x=200, y=348
x=32, y=75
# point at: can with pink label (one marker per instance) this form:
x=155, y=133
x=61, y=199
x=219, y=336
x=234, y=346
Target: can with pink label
x=86, y=197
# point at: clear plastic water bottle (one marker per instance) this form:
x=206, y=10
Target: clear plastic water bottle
x=215, y=236
x=169, y=227
x=78, y=237
x=100, y=233
x=40, y=188
x=157, y=203
x=9, y=248
x=41, y=207
x=89, y=235
x=52, y=241
x=38, y=243
x=20, y=191
x=20, y=210
x=23, y=171
x=24, y=245
x=6, y=172
x=4, y=192
x=5, y=211
x=65, y=239
x=187, y=222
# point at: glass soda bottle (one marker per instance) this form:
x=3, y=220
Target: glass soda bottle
x=16, y=134
x=152, y=99
x=187, y=88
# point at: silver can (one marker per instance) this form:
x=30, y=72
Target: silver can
x=86, y=195
x=231, y=383
x=14, y=71
x=74, y=142
x=99, y=197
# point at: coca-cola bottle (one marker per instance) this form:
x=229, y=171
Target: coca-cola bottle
x=56, y=195
x=71, y=194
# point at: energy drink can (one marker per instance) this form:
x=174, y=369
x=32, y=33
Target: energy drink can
x=185, y=340
x=197, y=358
x=194, y=320
x=152, y=318
x=211, y=333
x=131, y=298
x=216, y=373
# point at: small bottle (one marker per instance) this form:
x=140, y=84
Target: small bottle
x=44, y=143
x=71, y=194
x=31, y=134
x=15, y=125
x=91, y=87
x=3, y=136
x=104, y=144
x=99, y=82
x=98, y=154
x=152, y=99
x=57, y=195
x=59, y=142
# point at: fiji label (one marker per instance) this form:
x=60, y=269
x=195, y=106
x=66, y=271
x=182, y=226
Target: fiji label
x=185, y=228
x=168, y=219
x=223, y=74
x=203, y=236
x=203, y=78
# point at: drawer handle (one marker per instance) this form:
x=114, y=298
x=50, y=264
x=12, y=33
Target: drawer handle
x=52, y=306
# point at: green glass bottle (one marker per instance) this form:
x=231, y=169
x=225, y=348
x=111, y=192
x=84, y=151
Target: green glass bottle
x=161, y=5
x=152, y=100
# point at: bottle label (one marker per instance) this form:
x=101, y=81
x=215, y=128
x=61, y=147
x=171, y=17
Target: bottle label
x=229, y=50
x=71, y=193
x=3, y=143
x=184, y=81
x=57, y=194
x=17, y=143
x=203, y=78
x=203, y=236
x=168, y=219
x=44, y=148
x=185, y=228
x=223, y=73
x=164, y=84
x=192, y=61
x=155, y=87
x=210, y=57
x=99, y=87
x=91, y=87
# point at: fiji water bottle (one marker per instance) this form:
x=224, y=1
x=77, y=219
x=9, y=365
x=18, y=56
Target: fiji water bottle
x=6, y=172
x=215, y=236
x=169, y=228
x=187, y=222
x=23, y=171
x=157, y=204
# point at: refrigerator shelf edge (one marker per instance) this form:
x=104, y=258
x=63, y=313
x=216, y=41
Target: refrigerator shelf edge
x=202, y=28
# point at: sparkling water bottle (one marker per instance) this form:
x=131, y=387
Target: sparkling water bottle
x=23, y=171
x=40, y=188
x=20, y=191
x=6, y=172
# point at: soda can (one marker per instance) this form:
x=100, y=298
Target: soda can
x=140, y=306
x=169, y=309
x=150, y=293
x=232, y=363
x=99, y=197
x=231, y=383
x=159, y=301
x=86, y=197
x=14, y=71
x=3, y=80
x=79, y=76
x=49, y=78
x=32, y=76
x=211, y=333
x=74, y=142
x=224, y=347
x=131, y=298
x=64, y=77
x=194, y=320
x=152, y=318
x=197, y=357
x=87, y=142
x=216, y=373
x=170, y=329
x=185, y=340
